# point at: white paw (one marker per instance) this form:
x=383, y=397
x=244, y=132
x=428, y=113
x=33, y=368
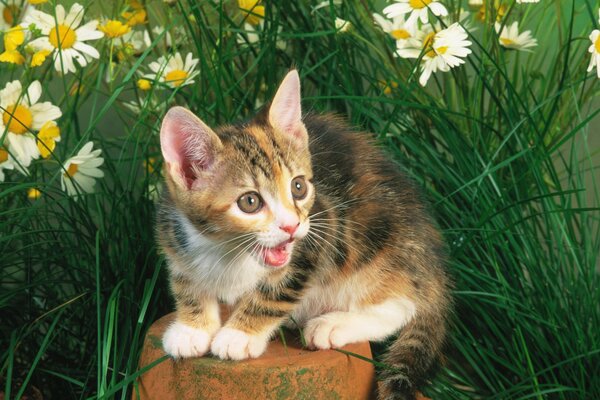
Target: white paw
x=233, y=344
x=181, y=340
x=327, y=332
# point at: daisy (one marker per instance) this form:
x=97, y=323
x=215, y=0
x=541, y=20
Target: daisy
x=444, y=50
x=173, y=71
x=594, y=49
x=421, y=41
x=527, y=1
x=396, y=28
x=418, y=9
x=64, y=37
x=166, y=40
x=510, y=37
x=341, y=25
x=80, y=171
x=252, y=35
x=11, y=11
x=6, y=162
x=21, y=113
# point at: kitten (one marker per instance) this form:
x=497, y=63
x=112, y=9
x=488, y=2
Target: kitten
x=290, y=218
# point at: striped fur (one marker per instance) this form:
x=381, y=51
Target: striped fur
x=367, y=262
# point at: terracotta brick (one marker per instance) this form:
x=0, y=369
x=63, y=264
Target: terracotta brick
x=283, y=372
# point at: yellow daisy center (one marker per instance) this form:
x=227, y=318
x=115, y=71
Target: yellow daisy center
x=428, y=44
x=597, y=44
x=9, y=13
x=507, y=42
x=72, y=170
x=176, y=77
x=400, y=34
x=64, y=35
x=3, y=155
x=17, y=118
x=418, y=4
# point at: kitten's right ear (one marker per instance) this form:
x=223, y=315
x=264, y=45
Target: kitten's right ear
x=188, y=145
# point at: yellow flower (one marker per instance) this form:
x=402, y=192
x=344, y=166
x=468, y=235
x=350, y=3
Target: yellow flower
x=13, y=38
x=501, y=10
x=388, y=86
x=37, y=1
x=149, y=165
x=12, y=56
x=39, y=57
x=144, y=84
x=114, y=29
x=255, y=13
x=134, y=18
x=47, y=137
x=33, y=194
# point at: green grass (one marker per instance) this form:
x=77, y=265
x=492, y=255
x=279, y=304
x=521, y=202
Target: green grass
x=499, y=146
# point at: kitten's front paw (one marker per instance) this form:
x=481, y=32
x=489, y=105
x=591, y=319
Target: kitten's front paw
x=181, y=340
x=327, y=332
x=233, y=344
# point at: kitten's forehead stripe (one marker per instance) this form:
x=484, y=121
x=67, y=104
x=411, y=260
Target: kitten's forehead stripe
x=250, y=149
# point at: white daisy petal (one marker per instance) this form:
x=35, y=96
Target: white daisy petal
x=44, y=112
x=86, y=49
x=60, y=14
x=93, y=172
x=73, y=19
x=23, y=147
x=10, y=94
x=89, y=32
x=34, y=91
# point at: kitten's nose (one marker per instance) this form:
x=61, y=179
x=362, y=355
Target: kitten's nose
x=291, y=229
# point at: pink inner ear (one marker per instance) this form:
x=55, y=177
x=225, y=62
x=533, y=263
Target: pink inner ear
x=285, y=113
x=187, y=145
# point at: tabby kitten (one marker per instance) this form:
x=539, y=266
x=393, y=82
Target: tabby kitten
x=303, y=219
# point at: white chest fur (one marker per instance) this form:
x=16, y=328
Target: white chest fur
x=224, y=272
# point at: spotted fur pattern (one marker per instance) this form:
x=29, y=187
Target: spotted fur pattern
x=366, y=262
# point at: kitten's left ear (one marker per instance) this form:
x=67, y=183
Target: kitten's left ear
x=285, y=113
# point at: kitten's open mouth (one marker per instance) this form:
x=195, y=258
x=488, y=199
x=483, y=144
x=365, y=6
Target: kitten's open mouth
x=277, y=256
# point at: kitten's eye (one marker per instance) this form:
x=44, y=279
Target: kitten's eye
x=299, y=188
x=250, y=202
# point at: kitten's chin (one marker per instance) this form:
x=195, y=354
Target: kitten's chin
x=277, y=256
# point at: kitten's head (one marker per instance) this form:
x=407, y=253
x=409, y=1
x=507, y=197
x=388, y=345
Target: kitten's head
x=245, y=185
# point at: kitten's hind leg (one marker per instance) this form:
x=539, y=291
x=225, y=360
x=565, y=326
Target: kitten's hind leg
x=370, y=323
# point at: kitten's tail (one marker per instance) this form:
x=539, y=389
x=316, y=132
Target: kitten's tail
x=416, y=352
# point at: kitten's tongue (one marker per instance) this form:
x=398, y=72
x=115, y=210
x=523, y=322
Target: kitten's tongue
x=277, y=256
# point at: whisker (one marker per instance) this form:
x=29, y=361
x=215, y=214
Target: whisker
x=335, y=237
x=344, y=203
